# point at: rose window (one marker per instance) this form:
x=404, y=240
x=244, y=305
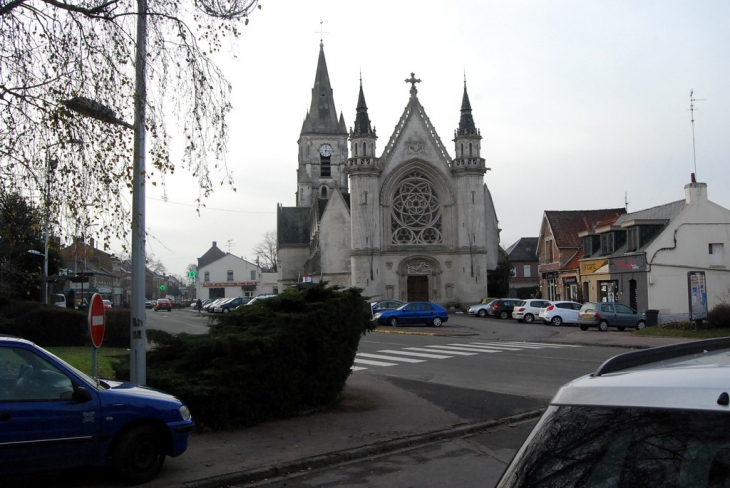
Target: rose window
x=416, y=212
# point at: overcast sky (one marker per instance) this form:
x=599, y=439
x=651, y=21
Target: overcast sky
x=579, y=103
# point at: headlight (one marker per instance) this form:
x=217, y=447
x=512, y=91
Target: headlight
x=185, y=412
x=377, y=315
x=471, y=309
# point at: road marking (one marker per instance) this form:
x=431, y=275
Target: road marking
x=374, y=363
x=357, y=368
x=459, y=348
x=433, y=350
x=417, y=354
x=541, y=344
x=479, y=346
x=391, y=358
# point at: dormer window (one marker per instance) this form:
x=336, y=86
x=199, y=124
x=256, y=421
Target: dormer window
x=607, y=243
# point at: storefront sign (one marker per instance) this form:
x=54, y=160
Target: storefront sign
x=569, y=280
x=589, y=267
x=628, y=264
x=550, y=275
x=210, y=284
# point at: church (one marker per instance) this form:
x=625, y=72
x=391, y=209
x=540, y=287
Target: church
x=413, y=224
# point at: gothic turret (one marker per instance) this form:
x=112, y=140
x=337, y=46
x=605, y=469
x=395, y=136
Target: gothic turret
x=467, y=139
x=362, y=140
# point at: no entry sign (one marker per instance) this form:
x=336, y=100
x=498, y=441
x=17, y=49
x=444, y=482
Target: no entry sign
x=97, y=319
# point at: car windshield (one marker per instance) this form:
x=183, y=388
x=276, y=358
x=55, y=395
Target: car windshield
x=587, y=446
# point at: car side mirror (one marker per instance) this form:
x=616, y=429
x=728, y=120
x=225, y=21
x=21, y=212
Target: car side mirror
x=80, y=394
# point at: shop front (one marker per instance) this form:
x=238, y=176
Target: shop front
x=593, y=272
x=570, y=288
x=629, y=273
x=550, y=286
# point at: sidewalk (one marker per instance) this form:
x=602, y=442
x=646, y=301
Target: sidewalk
x=374, y=417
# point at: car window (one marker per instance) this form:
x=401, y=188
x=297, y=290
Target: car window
x=607, y=307
x=25, y=376
x=621, y=308
x=625, y=447
x=410, y=307
x=426, y=307
x=576, y=306
x=563, y=305
x=588, y=307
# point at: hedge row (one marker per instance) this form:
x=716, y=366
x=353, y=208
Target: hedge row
x=275, y=359
x=51, y=326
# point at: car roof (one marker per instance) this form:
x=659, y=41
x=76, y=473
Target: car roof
x=692, y=376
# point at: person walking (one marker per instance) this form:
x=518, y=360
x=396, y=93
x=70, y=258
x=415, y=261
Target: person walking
x=199, y=305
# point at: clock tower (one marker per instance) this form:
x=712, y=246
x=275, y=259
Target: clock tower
x=322, y=143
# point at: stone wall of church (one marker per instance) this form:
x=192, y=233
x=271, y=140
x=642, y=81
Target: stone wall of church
x=291, y=262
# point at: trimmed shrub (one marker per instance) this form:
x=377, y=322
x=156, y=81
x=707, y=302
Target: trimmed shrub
x=275, y=359
x=46, y=325
x=719, y=316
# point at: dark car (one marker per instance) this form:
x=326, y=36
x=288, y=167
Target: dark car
x=55, y=417
x=163, y=304
x=502, y=307
x=413, y=313
x=231, y=304
x=609, y=314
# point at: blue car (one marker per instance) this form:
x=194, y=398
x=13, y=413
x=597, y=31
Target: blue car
x=413, y=313
x=53, y=416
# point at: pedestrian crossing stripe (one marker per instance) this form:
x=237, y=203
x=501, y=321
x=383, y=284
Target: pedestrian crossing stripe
x=444, y=352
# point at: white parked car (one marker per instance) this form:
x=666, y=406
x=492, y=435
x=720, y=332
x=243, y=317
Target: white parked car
x=648, y=418
x=528, y=310
x=481, y=309
x=559, y=313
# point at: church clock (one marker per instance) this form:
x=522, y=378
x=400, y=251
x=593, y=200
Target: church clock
x=325, y=150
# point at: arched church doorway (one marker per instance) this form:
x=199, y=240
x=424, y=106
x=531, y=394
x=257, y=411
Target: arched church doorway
x=420, y=279
x=417, y=288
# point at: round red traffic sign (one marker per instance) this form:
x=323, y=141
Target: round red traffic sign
x=97, y=319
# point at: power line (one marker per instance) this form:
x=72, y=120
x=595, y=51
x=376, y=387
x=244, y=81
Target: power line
x=208, y=208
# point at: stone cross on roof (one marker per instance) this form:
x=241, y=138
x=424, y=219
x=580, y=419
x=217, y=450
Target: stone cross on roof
x=413, y=80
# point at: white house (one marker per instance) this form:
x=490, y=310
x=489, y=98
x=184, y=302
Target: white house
x=223, y=275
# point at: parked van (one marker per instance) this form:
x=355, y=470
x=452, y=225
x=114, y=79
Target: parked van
x=58, y=300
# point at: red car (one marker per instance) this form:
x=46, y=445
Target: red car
x=163, y=304
x=107, y=304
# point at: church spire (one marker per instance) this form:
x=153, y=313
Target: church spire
x=322, y=113
x=466, y=123
x=362, y=121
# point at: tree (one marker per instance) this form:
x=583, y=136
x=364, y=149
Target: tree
x=58, y=56
x=498, y=280
x=266, y=251
x=22, y=230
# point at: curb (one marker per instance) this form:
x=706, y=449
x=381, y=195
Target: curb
x=356, y=453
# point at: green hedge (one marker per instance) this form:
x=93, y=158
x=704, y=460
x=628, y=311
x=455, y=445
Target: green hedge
x=719, y=316
x=275, y=359
x=51, y=326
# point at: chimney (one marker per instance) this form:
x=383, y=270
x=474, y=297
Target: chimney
x=215, y=244
x=695, y=193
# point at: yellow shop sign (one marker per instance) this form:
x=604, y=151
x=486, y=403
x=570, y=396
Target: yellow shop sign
x=588, y=267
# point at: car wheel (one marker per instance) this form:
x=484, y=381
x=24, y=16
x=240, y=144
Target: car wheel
x=556, y=321
x=603, y=326
x=225, y=310
x=482, y=313
x=583, y=327
x=640, y=325
x=436, y=322
x=621, y=328
x=139, y=455
x=529, y=318
x=393, y=322
x=503, y=314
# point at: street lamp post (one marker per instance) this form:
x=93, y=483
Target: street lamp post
x=44, y=274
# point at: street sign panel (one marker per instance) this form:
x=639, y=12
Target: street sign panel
x=97, y=320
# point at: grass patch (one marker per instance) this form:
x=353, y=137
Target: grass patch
x=80, y=358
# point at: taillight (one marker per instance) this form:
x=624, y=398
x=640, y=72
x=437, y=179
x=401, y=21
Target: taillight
x=550, y=307
x=494, y=307
x=596, y=315
x=521, y=309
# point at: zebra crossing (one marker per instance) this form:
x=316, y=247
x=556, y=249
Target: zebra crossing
x=411, y=355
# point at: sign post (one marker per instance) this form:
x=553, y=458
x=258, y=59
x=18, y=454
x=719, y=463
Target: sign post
x=697, y=290
x=97, y=324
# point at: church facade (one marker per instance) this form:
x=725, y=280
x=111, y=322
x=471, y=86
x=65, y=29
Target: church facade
x=412, y=224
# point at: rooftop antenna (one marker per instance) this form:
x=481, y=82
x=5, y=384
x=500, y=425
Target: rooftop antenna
x=626, y=201
x=230, y=245
x=692, y=100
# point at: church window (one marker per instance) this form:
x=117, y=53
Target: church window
x=366, y=199
x=364, y=148
x=470, y=149
x=324, y=192
x=415, y=212
x=354, y=147
x=462, y=148
x=326, y=169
